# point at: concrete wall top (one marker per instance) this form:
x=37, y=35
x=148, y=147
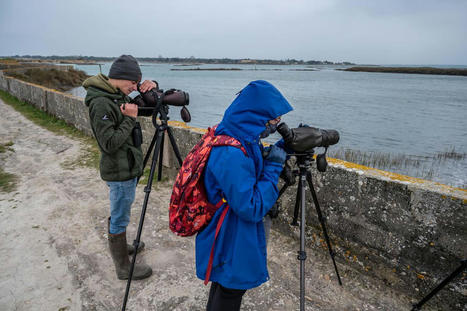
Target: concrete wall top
x=369, y=171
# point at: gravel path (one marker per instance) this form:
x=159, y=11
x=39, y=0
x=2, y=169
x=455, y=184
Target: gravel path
x=54, y=253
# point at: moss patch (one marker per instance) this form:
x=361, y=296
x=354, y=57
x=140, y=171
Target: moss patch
x=6, y=147
x=7, y=181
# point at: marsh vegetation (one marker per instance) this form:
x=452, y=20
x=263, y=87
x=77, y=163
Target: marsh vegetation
x=62, y=80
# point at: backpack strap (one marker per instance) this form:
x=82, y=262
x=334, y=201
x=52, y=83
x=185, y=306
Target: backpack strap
x=218, y=228
x=227, y=141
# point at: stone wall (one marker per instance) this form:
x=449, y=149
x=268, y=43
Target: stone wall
x=408, y=232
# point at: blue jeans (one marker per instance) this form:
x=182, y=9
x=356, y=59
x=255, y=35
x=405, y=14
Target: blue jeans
x=122, y=195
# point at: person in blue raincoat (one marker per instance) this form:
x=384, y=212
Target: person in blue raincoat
x=249, y=186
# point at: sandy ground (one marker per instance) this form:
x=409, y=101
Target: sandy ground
x=54, y=256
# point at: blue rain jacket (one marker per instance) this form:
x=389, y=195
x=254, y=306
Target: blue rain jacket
x=249, y=185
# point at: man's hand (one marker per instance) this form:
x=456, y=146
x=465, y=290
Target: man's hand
x=130, y=110
x=147, y=85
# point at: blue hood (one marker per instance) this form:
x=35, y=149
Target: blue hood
x=256, y=104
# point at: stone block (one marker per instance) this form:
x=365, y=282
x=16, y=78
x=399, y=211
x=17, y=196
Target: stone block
x=39, y=97
x=20, y=90
x=81, y=115
x=3, y=82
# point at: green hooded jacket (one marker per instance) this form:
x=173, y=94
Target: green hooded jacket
x=120, y=158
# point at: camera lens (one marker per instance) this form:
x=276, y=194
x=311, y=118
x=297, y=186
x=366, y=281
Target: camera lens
x=330, y=137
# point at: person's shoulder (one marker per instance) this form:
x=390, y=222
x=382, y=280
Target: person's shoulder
x=227, y=155
x=228, y=150
x=102, y=103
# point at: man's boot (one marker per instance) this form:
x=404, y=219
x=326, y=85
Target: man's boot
x=119, y=251
x=131, y=248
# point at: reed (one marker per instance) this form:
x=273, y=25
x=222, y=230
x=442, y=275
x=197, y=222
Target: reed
x=426, y=167
x=451, y=153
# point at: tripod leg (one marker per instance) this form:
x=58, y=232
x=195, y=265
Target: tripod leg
x=147, y=191
x=441, y=285
x=174, y=146
x=161, y=156
x=281, y=192
x=297, y=204
x=302, y=254
x=148, y=153
x=323, y=224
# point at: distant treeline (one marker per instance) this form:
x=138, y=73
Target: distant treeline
x=418, y=70
x=183, y=60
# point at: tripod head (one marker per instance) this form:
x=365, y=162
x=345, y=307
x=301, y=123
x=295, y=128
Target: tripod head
x=304, y=162
x=308, y=157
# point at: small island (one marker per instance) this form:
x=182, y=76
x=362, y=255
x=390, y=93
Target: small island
x=411, y=70
x=205, y=69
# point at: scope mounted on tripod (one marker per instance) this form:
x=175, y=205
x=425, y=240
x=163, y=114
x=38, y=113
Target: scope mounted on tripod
x=303, y=139
x=156, y=99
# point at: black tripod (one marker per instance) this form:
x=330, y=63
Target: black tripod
x=158, y=142
x=304, y=173
x=455, y=273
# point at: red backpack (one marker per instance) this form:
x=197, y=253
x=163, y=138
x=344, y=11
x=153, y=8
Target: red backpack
x=190, y=210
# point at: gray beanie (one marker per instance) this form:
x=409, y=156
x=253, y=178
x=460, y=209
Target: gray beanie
x=125, y=68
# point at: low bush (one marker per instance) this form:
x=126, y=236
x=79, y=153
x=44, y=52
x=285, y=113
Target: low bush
x=52, y=78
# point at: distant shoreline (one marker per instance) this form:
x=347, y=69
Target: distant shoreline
x=88, y=60
x=234, y=69
x=410, y=70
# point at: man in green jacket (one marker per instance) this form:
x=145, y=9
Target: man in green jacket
x=113, y=122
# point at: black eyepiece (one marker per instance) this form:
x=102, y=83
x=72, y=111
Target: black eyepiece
x=285, y=132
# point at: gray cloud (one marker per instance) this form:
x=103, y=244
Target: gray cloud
x=363, y=31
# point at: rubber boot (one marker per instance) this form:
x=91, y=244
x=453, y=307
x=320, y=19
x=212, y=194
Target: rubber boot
x=131, y=248
x=119, y=251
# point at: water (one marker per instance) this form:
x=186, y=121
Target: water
x=416, y=118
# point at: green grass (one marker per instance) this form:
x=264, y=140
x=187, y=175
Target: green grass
x=6, y=147
x=145, y=177
x=90, y=154
x=7, y=181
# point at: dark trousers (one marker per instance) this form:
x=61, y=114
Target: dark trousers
x=224, y=299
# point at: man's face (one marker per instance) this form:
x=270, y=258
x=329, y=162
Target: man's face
x=127, y=86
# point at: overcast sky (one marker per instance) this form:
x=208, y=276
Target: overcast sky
x=360, y=31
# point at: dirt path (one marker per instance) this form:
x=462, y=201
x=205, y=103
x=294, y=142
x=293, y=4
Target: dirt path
x=54, y=253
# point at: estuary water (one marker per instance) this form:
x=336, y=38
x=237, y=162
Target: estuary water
x=406, y=123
